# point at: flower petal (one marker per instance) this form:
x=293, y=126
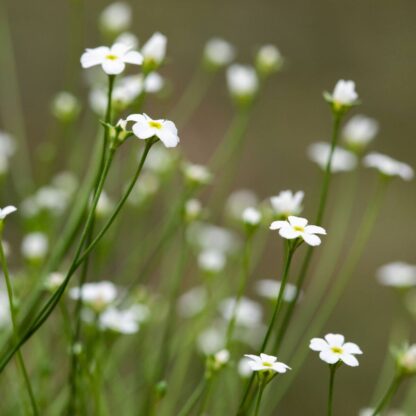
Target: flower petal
x=297, y=221
x=133, y=57
x=92, y=57
x=311, y=239
x=280, y=367
x=142, y=130
x=289, y=233
x=168, y=137
x=349, y=359
x=335, y=340
x=329, y=357
x=351, y=348
x=314, y=229
x=276, y=225
x=113, y=67
x=318, y=344
x=268, y=358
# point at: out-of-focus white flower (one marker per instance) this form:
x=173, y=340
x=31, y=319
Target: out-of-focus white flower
x=160, y=160
x=52, y=199
x=7, y=145
x=212, y=260
x=112, y=60
x=397, y=274
x=406, y=359
x=192, y=302
x=193, y=209
x=334, y=348
x=218, y=53
x=4, y=212
x=145, y=127
x=344, y=94
x=242, y=82
x=264, y=362
x=244, y=368
x=211, y=237
x=154, y=52
x=248, y=313
x=35, y=246
x=238, y=201
x=211, y=340
x=115, y=18
x=65, y=106
x=117, y=320
x=196, y=174
x=297, y=227
x=4, y=164
x=53, y=281
x=104, y=205
x=251, y=216
x=144, y=189
x=5, y=319
x=287, y=203
x=368, y=411
x=129, y=39
x=221, y=358
x=388, y=166
x=342, y=160
x=359, y=131
x=98, y=296
x=268, y=59
x=66, y=181
x=269, y=289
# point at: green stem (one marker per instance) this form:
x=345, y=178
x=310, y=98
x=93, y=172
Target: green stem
x=20, y=359
x=289, y=255
x=319, y=216
x=259, y=397
x=332, y=369
x=389, y=395
x=193, y=398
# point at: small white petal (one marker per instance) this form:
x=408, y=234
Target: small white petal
x=143, y=130
x=311, y=239
x=329, y=357
x=276, y=225
x=314, y=229
x=113, y=67
x=289, y=233
x=297, y=221
x=268, y=358
x=318, y=344
x=351, y=348
x=133, y=57
x=335, y=340
x=349, y=359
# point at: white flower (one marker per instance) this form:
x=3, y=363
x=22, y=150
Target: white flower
x=359, y=131
x=270, y=289
x=65, y=106
x=144, y=128
x=406, y=359
x=197, y=174
x=219, y=52
x=35, y=246
x=297, y=227
x=242, y=81
x=266, y=362
x=388, y=166
x=221, y=358
x=154, y=50
x=97, y=295
x=344, y=93
x=4, y=212
x=334, y=348
x=116, y=17
x=49, y=198
x=192, y=302
x=122, y=321
x=212, y=260
x=251, y=216
x=368, y=411
x=7, y=145
x=144, y=189
x=244, y=368
x=104, y=205
x=238, y=201
x=287, y=203
x=211, y=340
x=248, y=313
x=193, y=209
x=113, y=60
x=342, y=160
x=53, y=281
x=268, y=59
x=397, y=274
x=129, y=39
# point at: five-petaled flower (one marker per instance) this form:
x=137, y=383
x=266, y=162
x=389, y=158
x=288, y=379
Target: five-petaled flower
x=113, y=60
x=344, y=94
x=145, y=127
x=333, y=349
x=264, y=362
x=287, y=203
x=297, y=227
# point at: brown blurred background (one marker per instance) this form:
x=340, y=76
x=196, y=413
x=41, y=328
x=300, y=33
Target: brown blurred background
x=370, y=41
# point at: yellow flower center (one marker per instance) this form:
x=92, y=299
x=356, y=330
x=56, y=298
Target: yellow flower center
x=267, y=364
x=155, y=124
x=337, y=350
x=299, y=228
x=111, y=57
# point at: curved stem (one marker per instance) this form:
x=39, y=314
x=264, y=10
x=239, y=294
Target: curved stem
x=20, y=359
x=389, y=395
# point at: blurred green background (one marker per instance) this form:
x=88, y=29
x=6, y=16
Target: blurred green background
x=370, y=41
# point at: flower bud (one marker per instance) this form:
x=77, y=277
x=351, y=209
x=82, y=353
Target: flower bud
x=65, y=107
x=268, y=60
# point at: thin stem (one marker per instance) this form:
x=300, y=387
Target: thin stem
x=20, y=359
x=391, y=391
x=289, y=255
x=332, y=369
x=259, y=397
x=193, y=398
x=319, y=216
